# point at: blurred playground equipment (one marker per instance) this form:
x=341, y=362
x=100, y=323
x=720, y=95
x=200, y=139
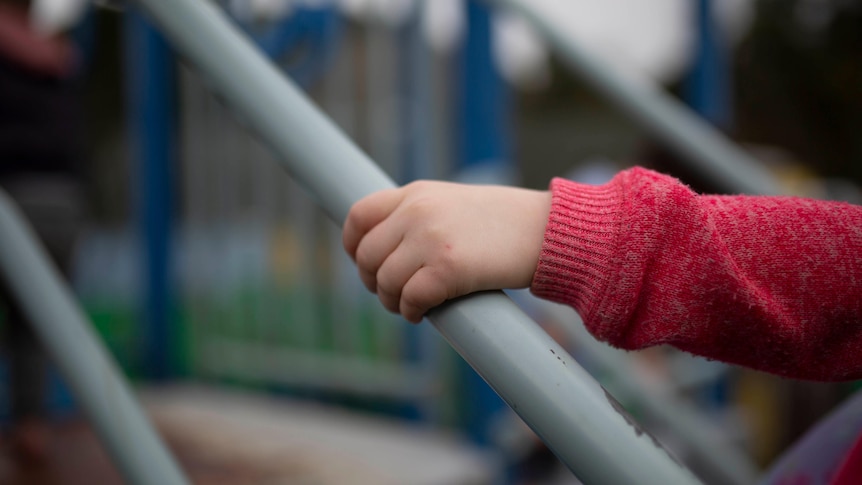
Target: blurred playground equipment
x=244, y=278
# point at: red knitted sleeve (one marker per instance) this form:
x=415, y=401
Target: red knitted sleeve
x=772, y=283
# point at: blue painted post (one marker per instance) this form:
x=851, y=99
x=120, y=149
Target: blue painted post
x=708, y=89
x=484, y=156
x=485, y=105
x=150, y=71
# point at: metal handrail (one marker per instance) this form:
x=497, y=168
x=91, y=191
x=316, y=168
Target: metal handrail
x=719, y=460
x=563, y=404
x=94, y=378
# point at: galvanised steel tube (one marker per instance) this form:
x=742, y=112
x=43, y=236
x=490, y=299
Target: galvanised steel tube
x=720, y=461
x=543, y=384
x=94, y=378
x=706, y=150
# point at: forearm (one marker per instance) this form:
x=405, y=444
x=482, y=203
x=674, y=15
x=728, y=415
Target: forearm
x=770, y=283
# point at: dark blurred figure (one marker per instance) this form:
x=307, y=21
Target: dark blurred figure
x=40, y=168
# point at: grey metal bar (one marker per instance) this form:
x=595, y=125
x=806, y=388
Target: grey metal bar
x=707, y=150
x=83, y=360
x=542, y=383
x=720, y=462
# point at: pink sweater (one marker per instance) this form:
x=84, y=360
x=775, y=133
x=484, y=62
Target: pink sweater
x=772, y=283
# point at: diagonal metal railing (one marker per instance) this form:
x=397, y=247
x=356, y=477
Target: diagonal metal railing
x=719, y=460
x=702, y=147
x=569, y=410
x=86, y=365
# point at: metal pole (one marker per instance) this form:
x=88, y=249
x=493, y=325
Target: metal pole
x=63, y=330
x=560, y=401
x=150, y=73
x=655, y=111
x=720, y=462
x=708, y=86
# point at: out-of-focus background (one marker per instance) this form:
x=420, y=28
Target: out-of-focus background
x=223, y=291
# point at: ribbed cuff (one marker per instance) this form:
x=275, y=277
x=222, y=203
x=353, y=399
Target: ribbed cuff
x=575, y=264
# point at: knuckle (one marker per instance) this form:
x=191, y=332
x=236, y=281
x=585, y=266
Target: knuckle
x=415, y=300
x=386, y=284
x=364, y=258
x=424, y=295
x=422, y=208
x=438, y=236
x=356, y=214
x=362, y=213
x=368, y=280
x=410, y=313
x=446, y=260
x=417, y=186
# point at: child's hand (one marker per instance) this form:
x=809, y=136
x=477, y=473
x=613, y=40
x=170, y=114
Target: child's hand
x=428, y=242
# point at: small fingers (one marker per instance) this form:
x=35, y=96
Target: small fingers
x=367, y=214
x=394, y=273
x=373, y=237
x=374, y=249
x=425, y=290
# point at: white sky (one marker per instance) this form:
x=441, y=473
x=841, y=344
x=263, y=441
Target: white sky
x=649, y=39
x=645, y=38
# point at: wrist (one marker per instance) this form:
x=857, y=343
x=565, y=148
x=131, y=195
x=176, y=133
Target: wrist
x=575, y=260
